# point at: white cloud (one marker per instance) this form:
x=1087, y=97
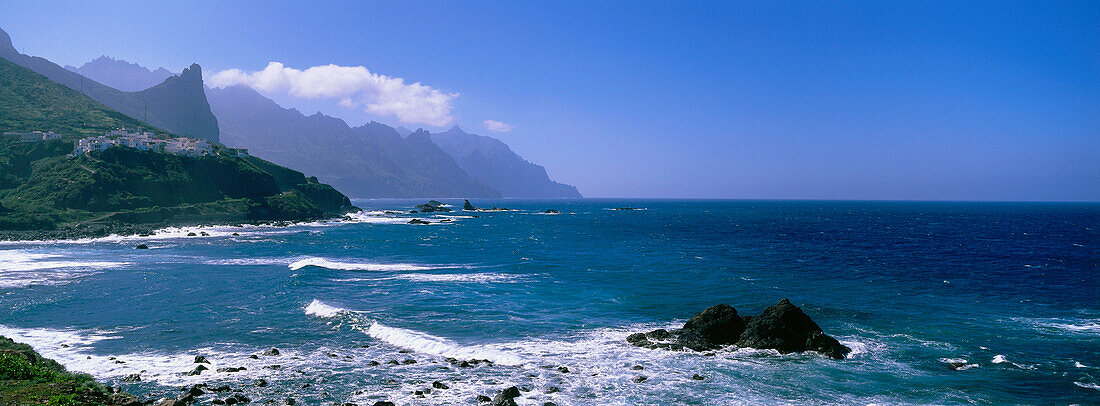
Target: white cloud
x=353, y=86
x=497, y=127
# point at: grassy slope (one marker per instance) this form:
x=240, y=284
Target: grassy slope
x=28, y=379
x=40, y=188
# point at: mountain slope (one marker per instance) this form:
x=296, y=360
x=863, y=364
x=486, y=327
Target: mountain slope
x=121, y=75
x=368, y=161
x=492, y=162
x=41, y=187
x=175, y=105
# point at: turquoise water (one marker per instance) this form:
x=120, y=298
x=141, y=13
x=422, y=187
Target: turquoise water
x=1011, y=288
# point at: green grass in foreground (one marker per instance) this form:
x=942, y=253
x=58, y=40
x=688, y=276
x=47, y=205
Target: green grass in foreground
x=28, y=379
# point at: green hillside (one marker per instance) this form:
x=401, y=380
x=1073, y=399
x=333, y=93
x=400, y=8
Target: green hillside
x=43, y=188
x=29, y=102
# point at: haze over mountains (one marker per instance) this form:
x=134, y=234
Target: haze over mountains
x=121, y=75
x=178, y=104
x=372, y=160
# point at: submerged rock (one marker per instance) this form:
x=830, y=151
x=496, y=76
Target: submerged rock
x=782, y=327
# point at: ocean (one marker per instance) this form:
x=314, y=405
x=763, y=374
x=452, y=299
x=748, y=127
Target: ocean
x=1011, y=291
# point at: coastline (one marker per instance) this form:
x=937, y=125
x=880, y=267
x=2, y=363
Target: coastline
x=121, y=229
x=26, y=377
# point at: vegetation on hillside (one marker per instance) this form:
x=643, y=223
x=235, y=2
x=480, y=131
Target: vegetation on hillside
x=28, y=379
x=42, y=187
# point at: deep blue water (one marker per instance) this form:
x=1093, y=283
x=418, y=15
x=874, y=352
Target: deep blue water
x=1011, y=288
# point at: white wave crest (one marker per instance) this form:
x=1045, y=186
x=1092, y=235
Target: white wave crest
x=21, y=269
x=1065, y=326
x=319, y=309
x=1087, y=385
x=355, y=266
x=429, y=344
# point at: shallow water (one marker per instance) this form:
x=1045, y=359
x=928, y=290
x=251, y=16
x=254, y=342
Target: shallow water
x=1010, y=288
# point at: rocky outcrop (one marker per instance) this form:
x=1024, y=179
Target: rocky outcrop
x=782, y=327
x=468, y=207
x=433, y=206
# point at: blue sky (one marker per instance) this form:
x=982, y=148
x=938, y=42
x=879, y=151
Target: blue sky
x=805, y=100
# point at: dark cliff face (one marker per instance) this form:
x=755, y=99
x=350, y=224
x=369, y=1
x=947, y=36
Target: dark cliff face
x=495, y=164
x=174, y=107
x=372, y=160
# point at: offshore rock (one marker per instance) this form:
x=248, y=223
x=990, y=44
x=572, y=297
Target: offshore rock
x=782, y=327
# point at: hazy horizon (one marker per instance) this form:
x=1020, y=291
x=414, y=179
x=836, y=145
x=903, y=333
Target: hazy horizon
x=830, y=101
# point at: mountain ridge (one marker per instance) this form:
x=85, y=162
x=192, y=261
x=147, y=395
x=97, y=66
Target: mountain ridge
x=174, y=107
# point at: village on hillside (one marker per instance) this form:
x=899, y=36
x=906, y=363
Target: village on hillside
x=137, y=139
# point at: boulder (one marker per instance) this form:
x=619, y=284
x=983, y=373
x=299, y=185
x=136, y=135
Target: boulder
x=714, y=327
x=782, y=327
x=468, y=207
x=432, y=206
x=199, y=359
x=506, y=397
x=132, y=378
x=419, y=221
x=142, y=247
x=197, y=371
x=271, y=352
x=785, y=328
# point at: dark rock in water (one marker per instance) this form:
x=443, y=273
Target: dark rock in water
x=273, y=367
x=254, y=356
x=553, y=389
x=291, y=402
x=785, y=328
x=716, y=326
x=419, y=221
x=230, y=369
x=124, y=399
x=659, y=334
x=409, y=361
x=468, y=207
x=638, y=340
x=549, y=404
x=432, y=206
x=506, y=397
x=383, y=403
x=192, y=235
x=698, y=377
x=552, y=211
x=198, y=370
x=640, y=378
x=132, y=378
x=199, y=359
x=260, y=383
x=624, y=208
x=638, y=368
x=563, y=370
x=271, y=352
x=440, y=385
x=483, y=398
x=141, y=247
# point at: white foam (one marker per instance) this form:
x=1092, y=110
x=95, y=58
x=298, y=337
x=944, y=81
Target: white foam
x=1078, y=364
x=20, y=268
x=997, y=359
x=461, y=278
x=429, y=344
x=1087, y=385
x=375, y=217
x=319, y=309
x=1068, y=326
x=355, y=266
